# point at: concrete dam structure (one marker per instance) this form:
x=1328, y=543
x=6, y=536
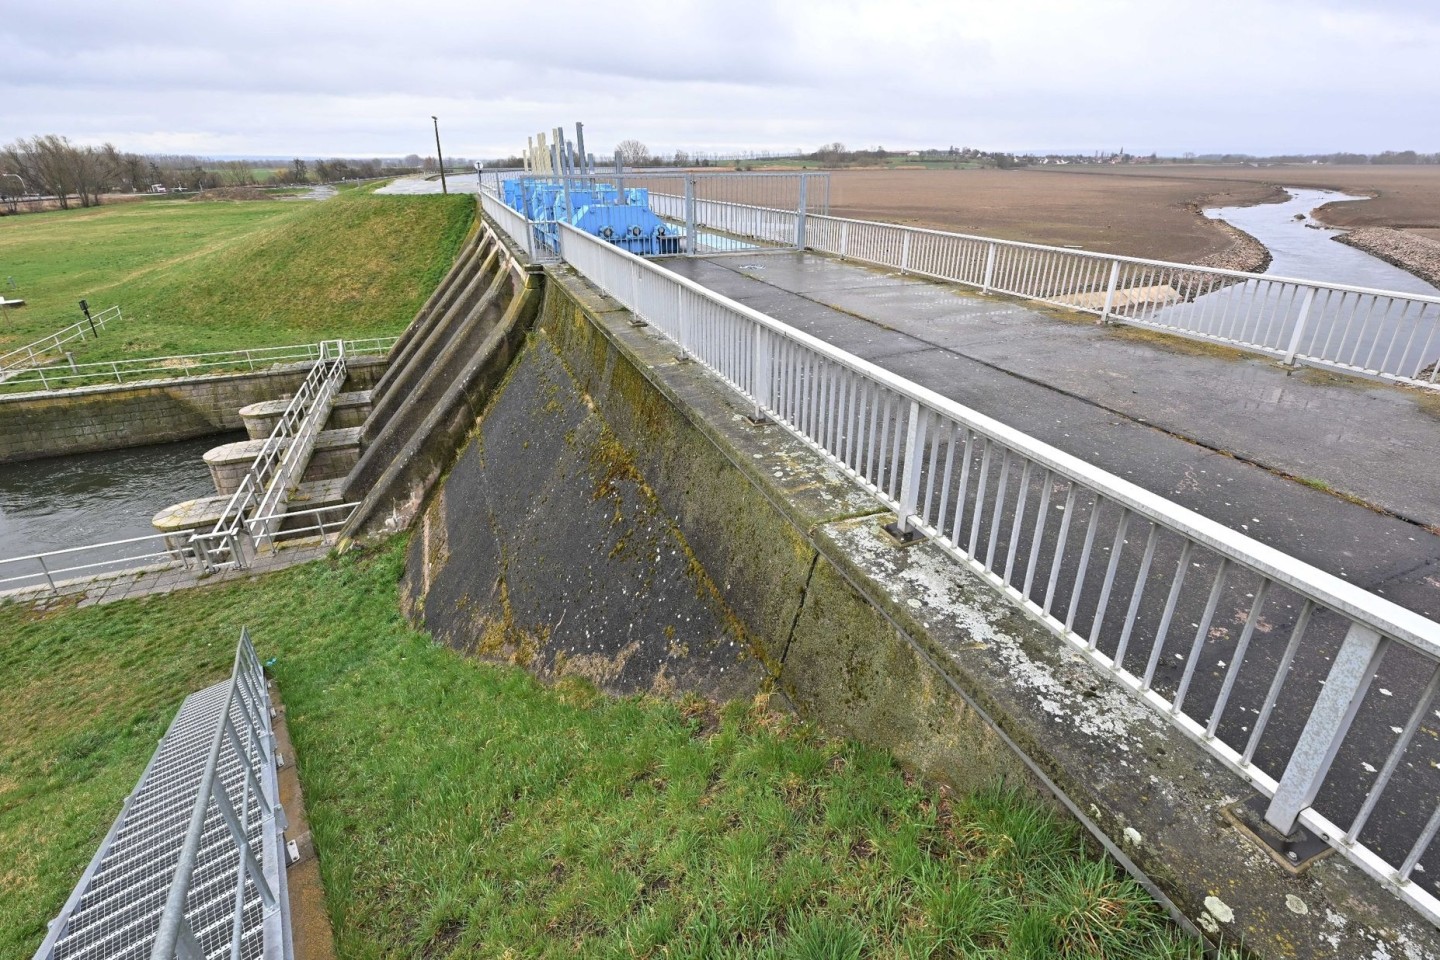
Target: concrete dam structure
x=760, y=469
x=588, y=499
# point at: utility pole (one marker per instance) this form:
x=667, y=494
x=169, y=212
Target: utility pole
x=440, y=156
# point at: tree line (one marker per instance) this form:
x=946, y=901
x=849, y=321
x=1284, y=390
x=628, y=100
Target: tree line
x=50, y=166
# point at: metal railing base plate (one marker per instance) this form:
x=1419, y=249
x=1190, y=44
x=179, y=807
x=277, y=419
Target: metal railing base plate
x=1295, y=853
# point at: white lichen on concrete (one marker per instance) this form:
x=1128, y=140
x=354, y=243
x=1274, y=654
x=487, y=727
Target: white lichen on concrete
x=934, y=582
x=1295, y=905
x=1219, y=909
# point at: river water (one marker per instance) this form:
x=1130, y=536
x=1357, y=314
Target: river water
x=1301, y=251
x=91, y=498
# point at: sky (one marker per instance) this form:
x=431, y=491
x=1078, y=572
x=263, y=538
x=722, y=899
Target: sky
x=364, y=78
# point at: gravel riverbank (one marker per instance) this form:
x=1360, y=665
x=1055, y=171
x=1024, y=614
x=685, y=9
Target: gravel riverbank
x=1416, y=254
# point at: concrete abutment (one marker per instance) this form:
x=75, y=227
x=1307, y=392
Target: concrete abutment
x=614, y=514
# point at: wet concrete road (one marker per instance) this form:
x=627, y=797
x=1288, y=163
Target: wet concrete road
x=1195, y=429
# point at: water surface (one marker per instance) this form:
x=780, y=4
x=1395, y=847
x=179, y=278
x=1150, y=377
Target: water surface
x=91, y=498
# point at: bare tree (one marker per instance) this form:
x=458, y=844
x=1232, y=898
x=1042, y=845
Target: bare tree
x=633, y=152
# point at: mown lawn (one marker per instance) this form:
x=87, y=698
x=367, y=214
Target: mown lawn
x=196, y=276
x=463, y=809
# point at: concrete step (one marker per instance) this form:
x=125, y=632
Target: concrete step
x=350, y=410
x=203, y=513
x=336, y=452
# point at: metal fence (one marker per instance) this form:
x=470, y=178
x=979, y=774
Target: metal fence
x=47, y=349
x=105, y=372
x=1377, y=333
x=253, y=515
x=54, y=570
x=194, y=865
x=1266, y=662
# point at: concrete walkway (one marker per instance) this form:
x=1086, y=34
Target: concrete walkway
x=153, y=581
x=1212, y=430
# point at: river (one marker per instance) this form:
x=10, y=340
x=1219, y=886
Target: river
x=1302, y=248
x=91, y=498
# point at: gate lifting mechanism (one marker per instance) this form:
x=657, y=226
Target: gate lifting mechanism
x=547, y=195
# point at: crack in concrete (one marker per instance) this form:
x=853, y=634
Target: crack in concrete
x=799, y=608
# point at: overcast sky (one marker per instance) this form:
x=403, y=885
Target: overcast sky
x=363, y=78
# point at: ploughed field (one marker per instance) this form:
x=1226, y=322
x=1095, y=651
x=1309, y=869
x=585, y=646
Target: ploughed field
x=1139, y=211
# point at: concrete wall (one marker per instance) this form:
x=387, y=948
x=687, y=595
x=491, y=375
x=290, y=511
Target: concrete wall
x=132, y=415
x=899, y=647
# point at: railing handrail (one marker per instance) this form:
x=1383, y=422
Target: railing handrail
x=180, y=365
x=247, y=681
x=1326, y=589
x=804, y=400
x=1115, y=257
x=59, y=337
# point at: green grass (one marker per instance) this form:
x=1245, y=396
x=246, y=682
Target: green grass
x=464, y=809
x=201, y=276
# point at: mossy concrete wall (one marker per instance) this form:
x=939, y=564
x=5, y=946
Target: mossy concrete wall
x=87, y=419
x=903, y=648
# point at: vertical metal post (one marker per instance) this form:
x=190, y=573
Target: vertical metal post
x=760, y=374
x=800, y=216
x=914, y=458
x=1350, y=675
x=690, y=243
x=989, y=269
x=844, y=237
x=1300, y=322
x=1110, y=291
x=580, y=146
x=905, y=253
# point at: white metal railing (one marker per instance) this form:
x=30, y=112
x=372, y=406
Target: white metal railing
x=511, y=221
x=241, y=820
x=1113, y=570
x=254, y=512
x=55, y=568
x=154, y=368
x=1380, y=333
x=45, y=349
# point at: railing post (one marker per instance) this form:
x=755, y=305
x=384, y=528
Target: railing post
x=1350, y=675
x=760, y=374
x=690, y=243
x=989, y=268
x=800, y=215
x=910, y=481
x=1300, y=321
x=1110, y=291
x=844, y=237
x=905, y=252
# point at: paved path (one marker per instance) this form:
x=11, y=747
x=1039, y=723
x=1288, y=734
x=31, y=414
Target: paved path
x=1211, y=433
x=129, y=584
x=412, y=186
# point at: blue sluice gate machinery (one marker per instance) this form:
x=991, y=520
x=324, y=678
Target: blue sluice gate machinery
x=599, y=210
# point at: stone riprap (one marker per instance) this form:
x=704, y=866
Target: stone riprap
x=1408, y=251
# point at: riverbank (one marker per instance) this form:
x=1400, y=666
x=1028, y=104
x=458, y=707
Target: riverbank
x=1410, y=252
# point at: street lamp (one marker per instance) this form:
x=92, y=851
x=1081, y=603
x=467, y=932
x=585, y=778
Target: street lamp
x=17, y=176
x=439, y=156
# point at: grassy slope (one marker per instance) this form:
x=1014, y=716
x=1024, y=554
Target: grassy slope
x=462, y=808
x=201, y=276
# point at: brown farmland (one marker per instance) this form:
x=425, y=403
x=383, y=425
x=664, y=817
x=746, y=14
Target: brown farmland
x=1141, y=211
